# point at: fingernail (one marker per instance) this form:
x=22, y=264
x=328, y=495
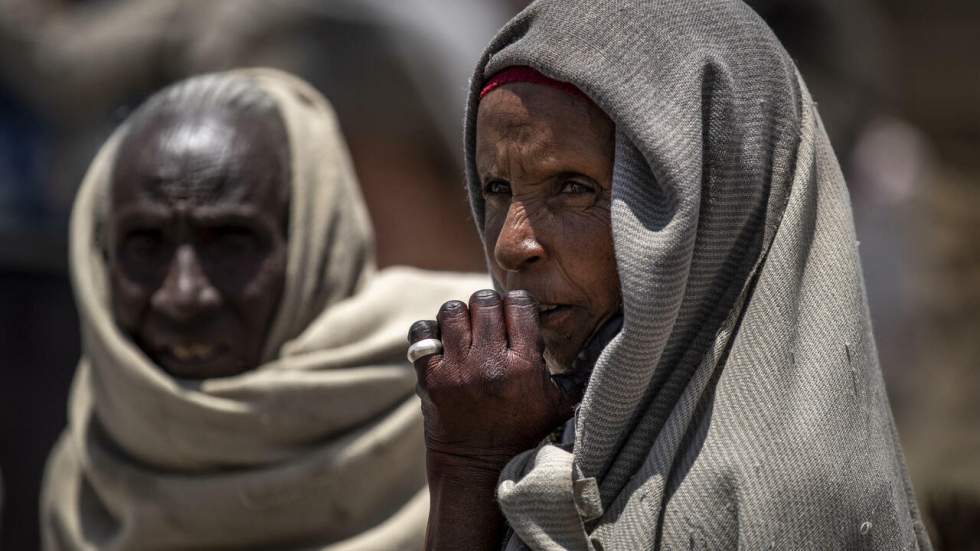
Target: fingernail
x=421, y=329
x=486, y=295
x=452, y=306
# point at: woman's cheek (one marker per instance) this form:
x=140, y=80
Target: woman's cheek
x=589, y=258
x=492, y=223
x=586, y=234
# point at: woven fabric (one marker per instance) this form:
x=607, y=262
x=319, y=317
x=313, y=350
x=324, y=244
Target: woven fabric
x=319, y=448
x=742, y=404
x=511, y=75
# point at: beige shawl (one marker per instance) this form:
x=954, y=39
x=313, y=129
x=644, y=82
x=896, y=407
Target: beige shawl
x=319, y=448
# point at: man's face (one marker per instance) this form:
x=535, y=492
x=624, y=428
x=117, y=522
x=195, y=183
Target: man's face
x=197, y=239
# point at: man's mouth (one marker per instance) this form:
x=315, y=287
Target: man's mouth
x=192, y=352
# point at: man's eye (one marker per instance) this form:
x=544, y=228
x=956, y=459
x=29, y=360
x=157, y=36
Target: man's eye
x=232, y=240
x=575, y=188
x=496, y=187
x=143, y=244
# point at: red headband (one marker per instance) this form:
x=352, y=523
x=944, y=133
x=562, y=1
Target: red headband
x=526, y=74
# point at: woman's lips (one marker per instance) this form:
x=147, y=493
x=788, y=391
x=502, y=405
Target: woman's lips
x=554, y=315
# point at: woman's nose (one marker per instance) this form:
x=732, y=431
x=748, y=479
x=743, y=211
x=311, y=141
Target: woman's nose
x=186, y=291
x=517, y=245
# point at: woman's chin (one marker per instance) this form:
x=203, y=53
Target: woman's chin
x=554, y=364
x=560, y=352
x=564, y=333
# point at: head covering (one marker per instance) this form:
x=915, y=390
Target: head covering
x=526, y=74
x=320, y=447
x=742, y=404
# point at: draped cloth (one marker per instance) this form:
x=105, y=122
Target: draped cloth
x=318, y=448
x=742, y=404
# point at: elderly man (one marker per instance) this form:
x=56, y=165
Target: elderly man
x=243, y=381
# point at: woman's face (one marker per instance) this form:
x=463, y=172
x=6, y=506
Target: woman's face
x=544, y=159
x=197, y=239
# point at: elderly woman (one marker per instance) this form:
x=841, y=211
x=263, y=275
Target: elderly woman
x=657, y=166
x=242, y=384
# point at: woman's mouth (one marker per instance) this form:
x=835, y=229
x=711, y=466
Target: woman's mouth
x=552, y=315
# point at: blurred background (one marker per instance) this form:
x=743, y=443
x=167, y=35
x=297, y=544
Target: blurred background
x=897, y=81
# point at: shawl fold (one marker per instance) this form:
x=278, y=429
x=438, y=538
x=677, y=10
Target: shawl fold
x=319, y=448
x=742, y=404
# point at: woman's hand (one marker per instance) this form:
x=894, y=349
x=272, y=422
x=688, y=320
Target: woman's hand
x=488, y=396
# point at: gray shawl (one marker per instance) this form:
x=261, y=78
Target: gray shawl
x=319, y=448
x=742, y=404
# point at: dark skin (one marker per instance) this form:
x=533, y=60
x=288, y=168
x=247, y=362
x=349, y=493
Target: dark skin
x=197, y=238
x=545, y=162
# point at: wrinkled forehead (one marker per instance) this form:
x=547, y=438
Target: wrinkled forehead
x=536, y=99
x=202, y=156
x=540, y=117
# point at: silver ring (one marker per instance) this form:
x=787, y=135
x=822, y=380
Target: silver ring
x=423, y=348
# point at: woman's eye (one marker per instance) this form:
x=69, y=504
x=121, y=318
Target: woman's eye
x=496, y=187
x=575, y=188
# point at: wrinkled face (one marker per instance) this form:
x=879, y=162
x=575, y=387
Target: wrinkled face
x=545, y=160
x=197, y=239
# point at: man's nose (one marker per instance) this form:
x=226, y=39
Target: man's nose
x=517, y=245
x=186, y=291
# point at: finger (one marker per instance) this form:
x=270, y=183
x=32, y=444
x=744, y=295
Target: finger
x=421, y=330
x=454, y=325
x=523, y=325
x=487, y=320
